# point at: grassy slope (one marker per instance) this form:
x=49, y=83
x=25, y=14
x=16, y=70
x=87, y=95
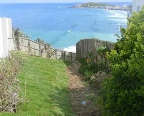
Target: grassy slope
x=47, y=89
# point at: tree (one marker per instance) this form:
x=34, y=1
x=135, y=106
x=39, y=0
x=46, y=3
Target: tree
x=123, y=93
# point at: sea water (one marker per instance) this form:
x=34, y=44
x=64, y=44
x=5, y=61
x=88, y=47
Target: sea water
x=62, y=26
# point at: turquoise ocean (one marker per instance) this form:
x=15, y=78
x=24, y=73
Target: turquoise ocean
x=62, y=26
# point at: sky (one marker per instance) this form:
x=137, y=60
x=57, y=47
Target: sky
x=59, y=1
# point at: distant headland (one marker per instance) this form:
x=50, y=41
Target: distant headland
x=102, y=6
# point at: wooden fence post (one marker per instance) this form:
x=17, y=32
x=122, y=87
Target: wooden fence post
x=29, y=47
x=64, y=55
x=71, y=56
x=56, y=54
x=18, y=43
x=40, y=51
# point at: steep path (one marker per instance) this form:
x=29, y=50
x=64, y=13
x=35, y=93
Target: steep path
x=82, y=96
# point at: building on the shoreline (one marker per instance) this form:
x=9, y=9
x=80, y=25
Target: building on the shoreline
x=5, y=35
x=137, y=5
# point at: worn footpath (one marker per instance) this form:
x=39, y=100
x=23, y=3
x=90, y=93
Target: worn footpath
x=82, y=96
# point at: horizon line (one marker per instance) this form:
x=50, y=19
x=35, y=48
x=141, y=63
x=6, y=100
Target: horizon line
x=46, y=2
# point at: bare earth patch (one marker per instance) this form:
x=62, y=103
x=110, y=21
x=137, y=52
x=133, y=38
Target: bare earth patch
x=82, y=96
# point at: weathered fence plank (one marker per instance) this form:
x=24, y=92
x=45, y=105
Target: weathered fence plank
x=86, y=46
x=39, y=49
x=83, y=47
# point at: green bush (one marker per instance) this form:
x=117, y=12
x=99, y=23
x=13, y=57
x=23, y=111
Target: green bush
x=89, y=67
x=123, y=93
x=20, y=57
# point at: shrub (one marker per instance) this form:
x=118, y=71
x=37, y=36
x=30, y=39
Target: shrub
x=20, y=57
x=89, y=67
x=9, y=84
x=123, y=93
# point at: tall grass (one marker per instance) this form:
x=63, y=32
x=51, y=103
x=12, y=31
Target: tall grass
x=47, y=89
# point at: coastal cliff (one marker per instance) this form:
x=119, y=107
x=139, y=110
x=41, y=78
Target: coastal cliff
x=102, y=6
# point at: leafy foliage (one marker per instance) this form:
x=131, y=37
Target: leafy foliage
x=20, y=57
x=123, y=94
x=103, y=50
x=88, y=65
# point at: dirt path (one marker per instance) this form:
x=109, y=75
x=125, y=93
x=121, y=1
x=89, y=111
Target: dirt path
x=82, y=96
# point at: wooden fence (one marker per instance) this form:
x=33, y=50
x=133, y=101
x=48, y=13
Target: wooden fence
x=91, y=46
x=40, y=49
x=83, y=47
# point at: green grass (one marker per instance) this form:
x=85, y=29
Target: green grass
x=47, y=89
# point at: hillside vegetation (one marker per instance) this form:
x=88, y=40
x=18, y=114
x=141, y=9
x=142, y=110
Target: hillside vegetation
x=95, y=4
x=123, y=93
